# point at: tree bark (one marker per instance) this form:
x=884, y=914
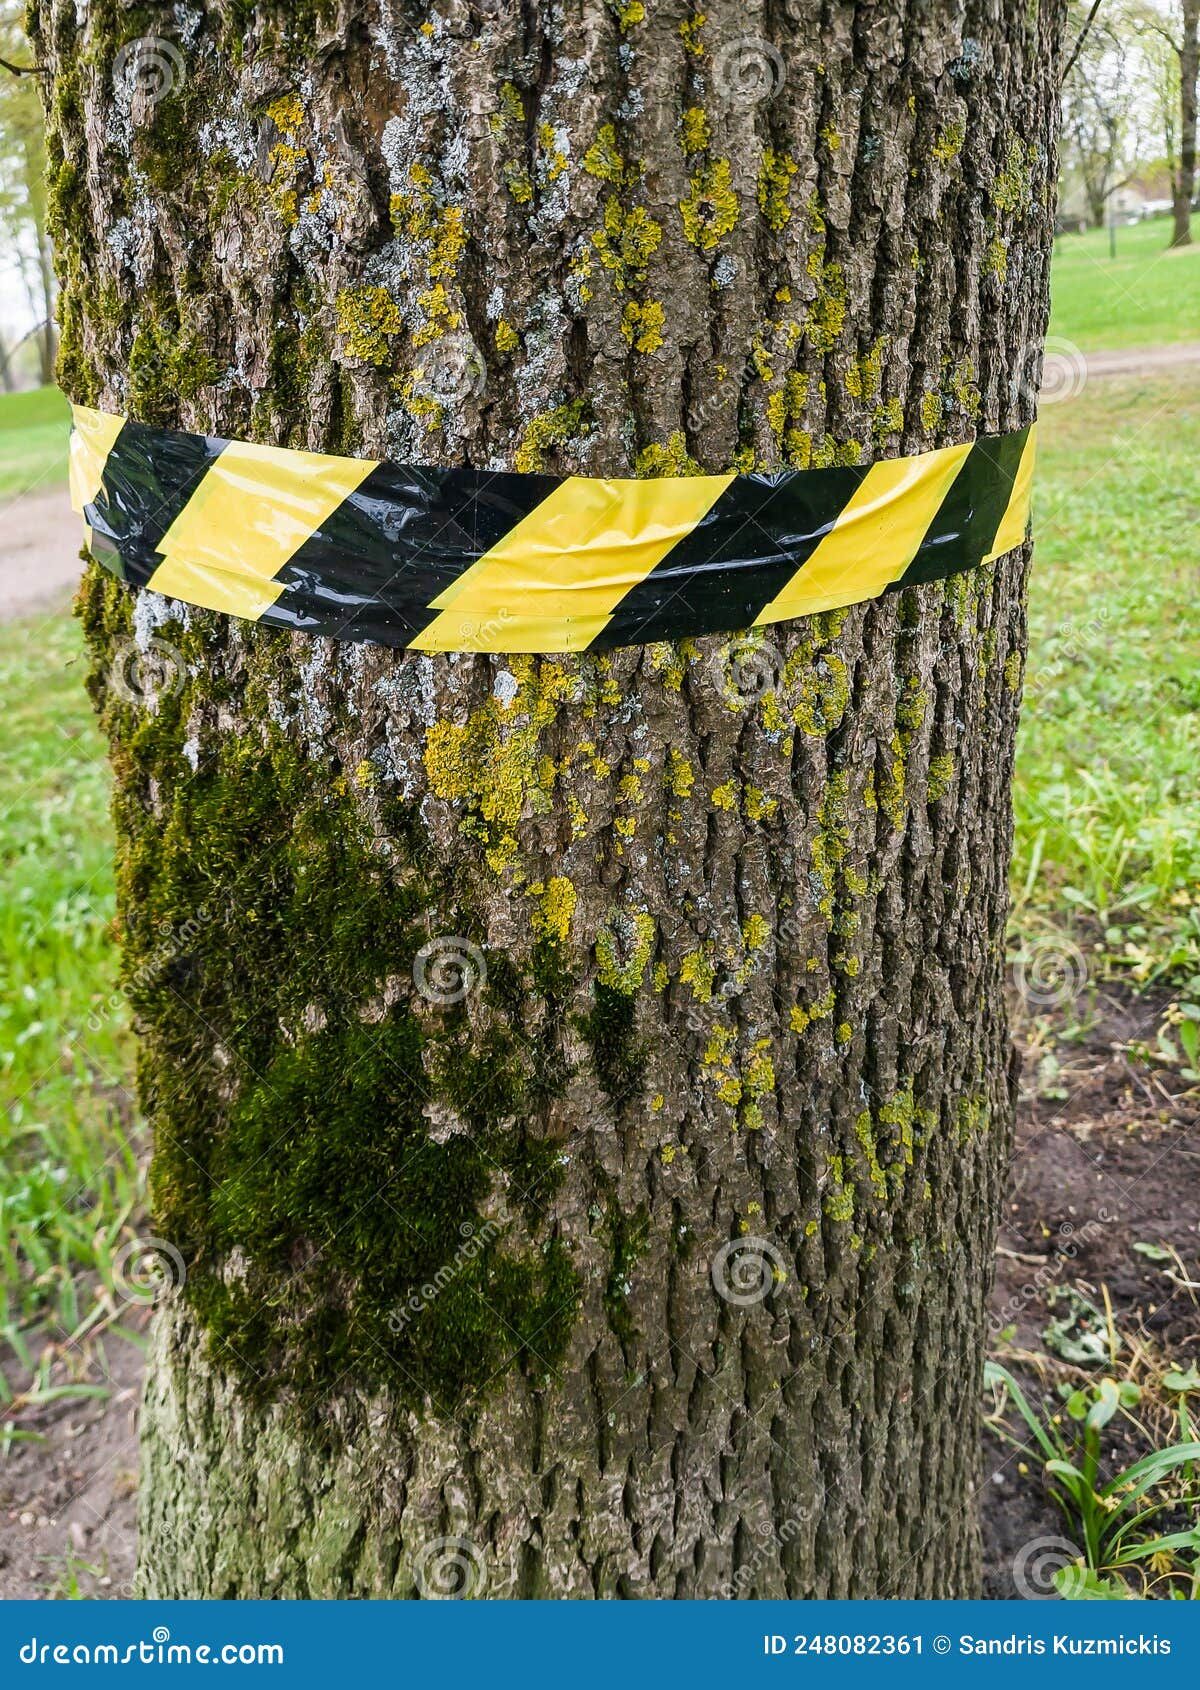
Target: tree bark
x=656, y=1263
x=1189, y=71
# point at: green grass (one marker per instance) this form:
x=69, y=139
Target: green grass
x=34, y=427
x=1146, y=296
x=1107, y=793
x=68, y=1175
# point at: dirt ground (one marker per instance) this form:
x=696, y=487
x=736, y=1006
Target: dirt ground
x=40, y=540
x=1112, y=1164
x=1106, y=1158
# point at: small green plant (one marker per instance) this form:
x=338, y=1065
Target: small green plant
x=1112, y=1520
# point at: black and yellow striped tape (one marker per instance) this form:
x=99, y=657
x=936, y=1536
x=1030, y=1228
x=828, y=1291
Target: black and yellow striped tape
x=471, y=560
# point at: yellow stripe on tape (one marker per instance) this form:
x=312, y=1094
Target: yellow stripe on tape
x=1015, y=524
x=876, y=537
x=92, y=439
x=252, y=511
x=556, y=578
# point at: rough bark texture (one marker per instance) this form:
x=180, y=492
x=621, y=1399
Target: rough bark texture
x=657, y=1265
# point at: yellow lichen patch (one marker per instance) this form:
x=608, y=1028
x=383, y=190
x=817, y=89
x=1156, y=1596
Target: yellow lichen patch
x=941, y=776
x=839, y=1196
x=666, y=458
x=440, y=316
x=491, y=763
x=642, y=325
x=888, y=419
x=698, y=971
x=626, y=243
x=628, y=13
x=681, y=777
x=758, y=805
x=758, y=1080
x=725, y=796
x=695, y=133
x=287, y=114
x=553, y=160
x=623, y=948
x=950, y=142
x=555, y=907
x=603, y=158
x=774, y=184
x=367, y=317
x=506, y=337
x=690, y=31
x=801, y=1018
x=932, y=410
x=865, y=376
x=510, y=109
x=826, y=319
x=518, y=181
x=552, y=428
x=710, y=209
x=755, y=932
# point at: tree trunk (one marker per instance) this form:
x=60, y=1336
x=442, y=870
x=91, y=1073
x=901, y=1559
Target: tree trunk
x=649, y=1255
x=1189, y=70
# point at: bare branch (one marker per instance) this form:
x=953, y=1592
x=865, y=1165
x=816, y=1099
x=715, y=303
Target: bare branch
x=1083, y=35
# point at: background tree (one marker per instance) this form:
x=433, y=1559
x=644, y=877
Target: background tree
x=23, y=188
x=1102, y=102
x=655, y=1263
x=1176, y=28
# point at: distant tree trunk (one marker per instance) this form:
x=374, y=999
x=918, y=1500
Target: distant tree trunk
x=1189, y=70
x=657, y=1265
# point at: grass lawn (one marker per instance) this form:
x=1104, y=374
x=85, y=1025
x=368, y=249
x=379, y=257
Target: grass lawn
x=68, y=1178
x=1146, y=296
x=1107, y=795
x=33, y=440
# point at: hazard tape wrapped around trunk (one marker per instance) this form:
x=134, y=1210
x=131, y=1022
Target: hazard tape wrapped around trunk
x=490, y=561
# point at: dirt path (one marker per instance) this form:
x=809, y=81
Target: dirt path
x=40, y=537
x=1142, y=360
